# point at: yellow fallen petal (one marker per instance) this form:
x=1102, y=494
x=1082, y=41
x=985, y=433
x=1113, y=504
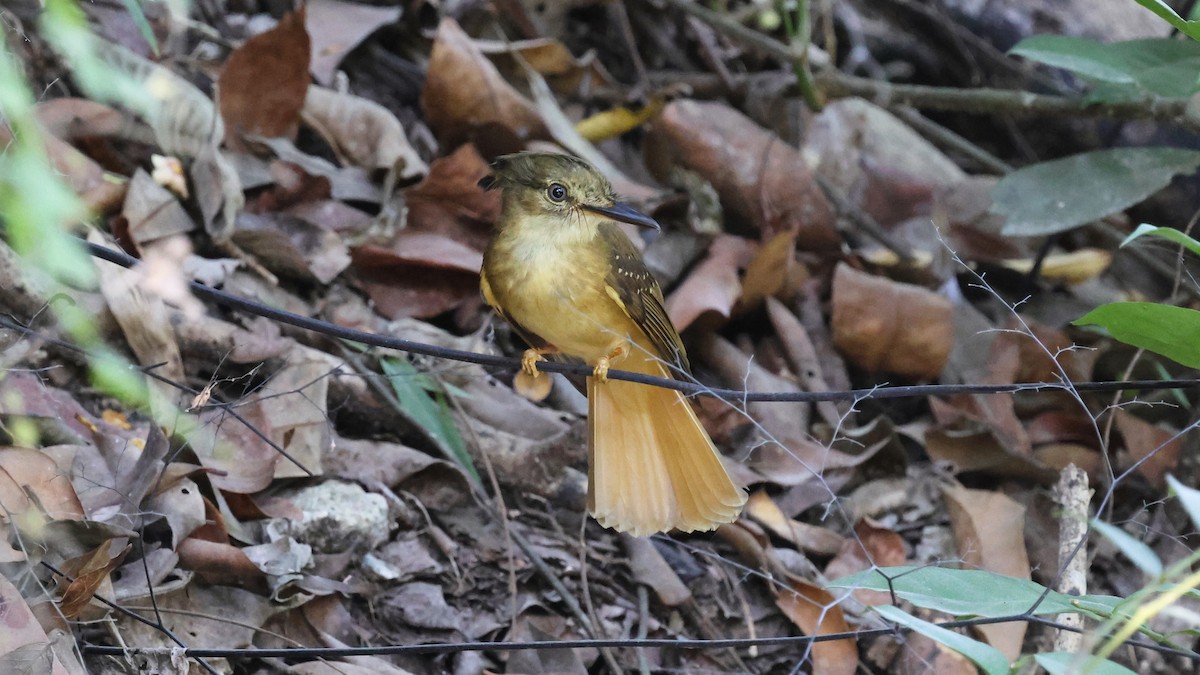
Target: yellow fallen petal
x=612, y=123
x=1073, y=268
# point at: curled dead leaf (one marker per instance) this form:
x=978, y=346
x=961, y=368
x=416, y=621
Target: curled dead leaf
x=361, y=132
x=713, y=286
x=763, y=182
x=337, y=27
x=465, y=94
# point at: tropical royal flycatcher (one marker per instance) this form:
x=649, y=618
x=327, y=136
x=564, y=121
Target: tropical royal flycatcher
x=570, y=282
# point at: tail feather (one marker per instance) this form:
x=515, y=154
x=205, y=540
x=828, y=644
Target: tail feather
x=652, y=467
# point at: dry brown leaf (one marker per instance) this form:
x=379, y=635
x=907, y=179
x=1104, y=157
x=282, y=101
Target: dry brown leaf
x=989, y=529
x=651, y=570
x=241, y=461
x=466, y=96
x=263, y=82
x=24, y=645
x=1058, y=456
x=361, y=132
x=142, y=315
x=924, y=656
x=219, y=563
x=549, y=58
x=1156, y=448
x=99, y=191
x=781, y=449
x=449, y=201
x=152, y=212
x=876, y=160
x=292, y=247
x=183, y=507
x=883, y=325
x=207, y=616
x=90, y=571
x=995, y=413
x=873, y=545
x=968, y=448
x=72, y=118
x=802, y=356
x=815, y=611
x=419, y=275
x=295, y=402
x=767, y=273
x=35, y=490
x=713, y=286
x=337, y=28
x=764, y=183
x=803, y=536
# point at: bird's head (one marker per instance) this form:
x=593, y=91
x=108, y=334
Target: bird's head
x=552, y=188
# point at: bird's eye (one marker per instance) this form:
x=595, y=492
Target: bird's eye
x=556, y=192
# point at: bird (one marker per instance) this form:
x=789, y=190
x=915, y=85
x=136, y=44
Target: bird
x=560, y=270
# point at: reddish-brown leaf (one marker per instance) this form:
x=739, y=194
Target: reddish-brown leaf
x=465, y=95
x=989, y=528
x=764, y=183
x=884, y=325
x=262, y=86
x=1156, y=448
x=89, y=571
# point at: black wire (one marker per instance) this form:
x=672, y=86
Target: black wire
x=503, y=362
x=538, y=645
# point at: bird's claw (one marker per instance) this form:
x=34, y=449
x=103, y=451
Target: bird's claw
x=529, y=361
x=600, y=371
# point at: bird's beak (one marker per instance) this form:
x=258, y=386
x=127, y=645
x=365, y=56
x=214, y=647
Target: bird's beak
x=624, y=213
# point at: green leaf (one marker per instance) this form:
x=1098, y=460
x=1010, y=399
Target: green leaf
x=973, y=592
x=1132, y=69
x=1189, y=498
x=1188, y=28
x=983, y=655
x=433, y=415
x=1051, y=197
x=139, y=19
x=1066, y=663
x=1138, y=553
x=1173, y=332
x=1168, y=233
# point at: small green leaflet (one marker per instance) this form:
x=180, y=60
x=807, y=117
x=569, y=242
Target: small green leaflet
x=966, y=593
x=1169, y=233
x=987, y=657
x=1166, y=330
x=412, y=389
x=1188, y=28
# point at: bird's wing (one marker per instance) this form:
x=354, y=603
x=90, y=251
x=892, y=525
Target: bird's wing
x=634, y=288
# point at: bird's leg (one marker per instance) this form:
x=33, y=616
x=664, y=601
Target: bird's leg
x=530, y=358
x=618, y=351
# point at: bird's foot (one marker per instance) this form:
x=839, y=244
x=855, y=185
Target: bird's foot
x=600, y=372
x=530, y=358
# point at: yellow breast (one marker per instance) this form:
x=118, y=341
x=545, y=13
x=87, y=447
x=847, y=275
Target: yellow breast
x=554, y=287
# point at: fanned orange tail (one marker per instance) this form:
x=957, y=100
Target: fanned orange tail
x=652, y=467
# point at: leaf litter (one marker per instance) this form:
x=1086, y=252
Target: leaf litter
x=284, y=489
